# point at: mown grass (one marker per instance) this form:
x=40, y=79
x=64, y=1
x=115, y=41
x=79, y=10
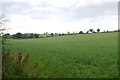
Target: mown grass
x=72, y=56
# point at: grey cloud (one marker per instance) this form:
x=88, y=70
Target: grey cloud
x=19, y=8
x=91, y=11
x=44, y=4
x=71, y=13
x=14, y=8
x=45, y=13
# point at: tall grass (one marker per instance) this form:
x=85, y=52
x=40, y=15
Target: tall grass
x=17, y=66
x=72, y=56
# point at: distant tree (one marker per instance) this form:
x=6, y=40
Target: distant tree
x=68, y=32
x=107, y=31
x=31, y=35
x=3, y=22
x=13, y=36
x=7, y=35
x=51, y=34
x=27, y=35
x=115, y=30
x=24, y=36
x=87, y=32
x=80, y=32
x=36, y=35
x=104, y=31
x=118, y=30
x=98, y=30
x=18, y=35
x=62, y=33
x=91, y=30
x=59, y=34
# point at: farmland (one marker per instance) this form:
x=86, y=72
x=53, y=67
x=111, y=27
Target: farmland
x=71, y=56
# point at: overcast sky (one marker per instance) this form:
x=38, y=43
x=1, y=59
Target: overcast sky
x=60, y=16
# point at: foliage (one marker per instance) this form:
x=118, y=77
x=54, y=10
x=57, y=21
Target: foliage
x=98, y=30
x=7, y=35
x=63, y=34
x=87, y=32
x=80, y=32
x=107, y=31
x=25, y=36
x=17, y=66
x=91, y=30
x=59, y=34
x=118, y=30
x=36, y=35
x=51, y=34
x=68, y=32
x=3, y=22
x=18, y=35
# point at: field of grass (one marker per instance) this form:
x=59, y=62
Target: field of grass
x=72, y=56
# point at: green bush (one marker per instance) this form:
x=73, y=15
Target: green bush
x=17, y=66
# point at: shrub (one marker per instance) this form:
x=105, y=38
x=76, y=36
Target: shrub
x=98, y=30
x=17, y=66
x=51, y=34
x=80, y=32
x=60, y=34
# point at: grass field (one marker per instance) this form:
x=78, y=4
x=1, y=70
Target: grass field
x=72, y=56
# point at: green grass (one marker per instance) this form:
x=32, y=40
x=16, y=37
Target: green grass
x=72, y=56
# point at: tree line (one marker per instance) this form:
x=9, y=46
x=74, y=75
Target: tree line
x=35, y=35
x=21, y=36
